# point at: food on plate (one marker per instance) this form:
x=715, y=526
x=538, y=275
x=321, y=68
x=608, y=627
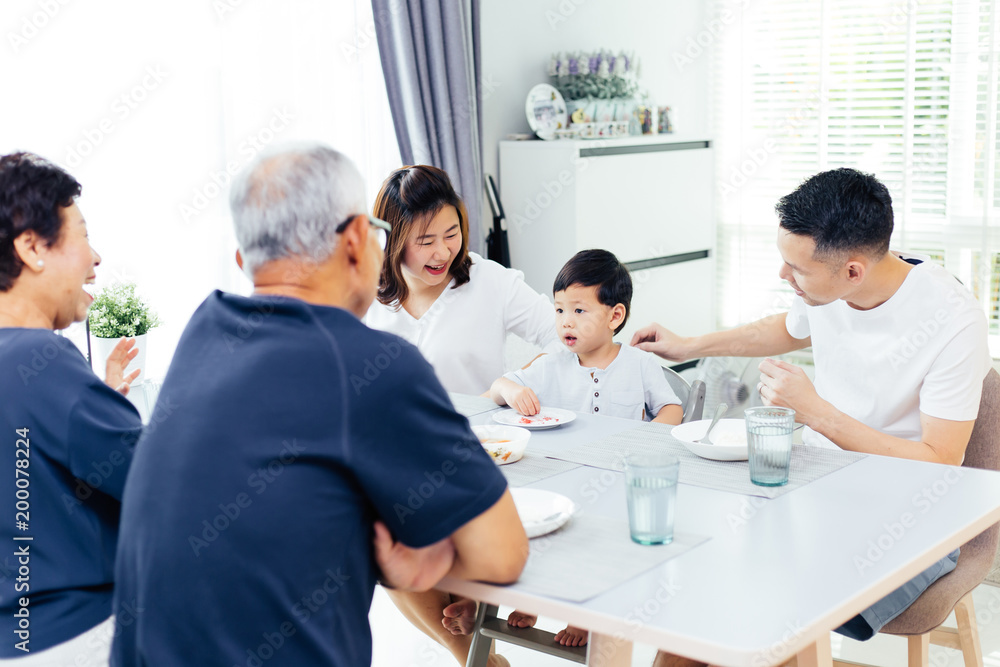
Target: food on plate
x=492, y=448
x=540, y=419
x=730, y=439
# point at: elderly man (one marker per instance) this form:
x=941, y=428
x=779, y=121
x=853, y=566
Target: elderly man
x=900, y=346
x=293, y=432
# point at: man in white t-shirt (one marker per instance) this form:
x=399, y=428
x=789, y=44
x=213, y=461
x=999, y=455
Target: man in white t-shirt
x=900, y=346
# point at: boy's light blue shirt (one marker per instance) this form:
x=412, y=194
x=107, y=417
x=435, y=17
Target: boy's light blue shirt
x=632, y=386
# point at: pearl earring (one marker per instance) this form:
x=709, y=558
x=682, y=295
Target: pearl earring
x=41, y=263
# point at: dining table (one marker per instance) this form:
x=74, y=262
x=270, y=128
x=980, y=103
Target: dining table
x=764, y=576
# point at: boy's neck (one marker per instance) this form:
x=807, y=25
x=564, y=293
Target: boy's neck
x=601, y=357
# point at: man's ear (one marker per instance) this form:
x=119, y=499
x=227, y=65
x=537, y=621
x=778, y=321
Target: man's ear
x=857, y=269
x=239, y=259
x=355, y=238
x=30, y=247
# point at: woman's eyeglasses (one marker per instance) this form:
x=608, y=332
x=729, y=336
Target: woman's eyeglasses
x=382, y=229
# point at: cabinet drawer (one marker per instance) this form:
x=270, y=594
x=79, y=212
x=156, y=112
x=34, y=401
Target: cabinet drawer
x=646, y=205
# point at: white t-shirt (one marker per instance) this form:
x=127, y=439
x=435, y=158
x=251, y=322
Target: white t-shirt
x=462, y=334
x=924, y=350
x=632, y=386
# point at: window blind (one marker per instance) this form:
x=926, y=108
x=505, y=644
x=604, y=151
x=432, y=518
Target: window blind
x=904, y=90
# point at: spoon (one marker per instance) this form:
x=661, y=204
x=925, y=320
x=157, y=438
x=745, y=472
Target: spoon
x=705, y=440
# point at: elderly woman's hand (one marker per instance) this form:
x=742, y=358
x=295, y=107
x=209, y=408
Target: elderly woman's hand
x=123, y=354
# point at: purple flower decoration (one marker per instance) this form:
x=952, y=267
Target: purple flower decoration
x=593, y=63
x=574, y=66
x=611, y=63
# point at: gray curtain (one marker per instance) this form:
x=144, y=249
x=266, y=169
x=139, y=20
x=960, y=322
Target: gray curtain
x=430, y=58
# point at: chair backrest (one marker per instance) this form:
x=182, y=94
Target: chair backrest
x=983, y=451
x=692, y=395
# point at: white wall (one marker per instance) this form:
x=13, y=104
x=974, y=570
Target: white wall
x=519, y=36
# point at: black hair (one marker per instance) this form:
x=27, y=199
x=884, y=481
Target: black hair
x=409, y=198
x=602, y=268
x=32, y=190
x=843, y=210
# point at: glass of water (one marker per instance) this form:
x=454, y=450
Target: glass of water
x=769, y=438
x=651, y=489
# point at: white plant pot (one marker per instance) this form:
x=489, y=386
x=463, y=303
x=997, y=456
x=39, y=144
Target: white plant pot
x=100, y=350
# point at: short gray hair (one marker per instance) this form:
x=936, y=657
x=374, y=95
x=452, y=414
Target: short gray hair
x=289, y=201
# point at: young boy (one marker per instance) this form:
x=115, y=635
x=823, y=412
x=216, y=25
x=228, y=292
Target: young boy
x=593, y=292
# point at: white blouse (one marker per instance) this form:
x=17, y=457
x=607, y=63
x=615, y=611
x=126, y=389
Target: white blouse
x=463, y=333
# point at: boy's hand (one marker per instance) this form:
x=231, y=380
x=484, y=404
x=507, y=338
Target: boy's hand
x=522, y=399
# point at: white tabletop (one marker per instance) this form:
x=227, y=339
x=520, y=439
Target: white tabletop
x=777, y=575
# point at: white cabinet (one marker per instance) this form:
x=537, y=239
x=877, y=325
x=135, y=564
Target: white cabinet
x=646, y=199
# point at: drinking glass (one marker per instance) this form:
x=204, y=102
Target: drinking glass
x=651, y=489
x=769, y=439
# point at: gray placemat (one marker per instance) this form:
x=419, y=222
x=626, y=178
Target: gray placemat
x=591, y=555
x=534, y=467
x=471, y=405
x=808, y=463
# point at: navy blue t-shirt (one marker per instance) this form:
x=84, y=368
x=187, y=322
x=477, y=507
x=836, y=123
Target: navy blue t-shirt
x=287, y=429
x=67, y=439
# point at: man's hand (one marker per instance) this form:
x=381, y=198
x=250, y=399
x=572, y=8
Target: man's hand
x=787, y=386
x=121, y=356
x=661, y=342
x=408, y=569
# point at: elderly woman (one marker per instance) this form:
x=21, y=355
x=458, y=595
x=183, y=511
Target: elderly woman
x=71, y=435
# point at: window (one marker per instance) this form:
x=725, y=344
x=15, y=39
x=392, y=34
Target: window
x=905, y=90
x=151, y=105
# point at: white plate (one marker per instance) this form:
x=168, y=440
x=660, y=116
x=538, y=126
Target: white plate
x=546, y=418
x=541, y=511
x=546, y=111
x=727, y=430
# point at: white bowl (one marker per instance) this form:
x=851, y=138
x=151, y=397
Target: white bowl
x=513, y=440
x=729, y=439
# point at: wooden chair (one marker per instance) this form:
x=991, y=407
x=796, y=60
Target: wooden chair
x=921, y=622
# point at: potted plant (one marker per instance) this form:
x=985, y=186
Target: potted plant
x=116, y=312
